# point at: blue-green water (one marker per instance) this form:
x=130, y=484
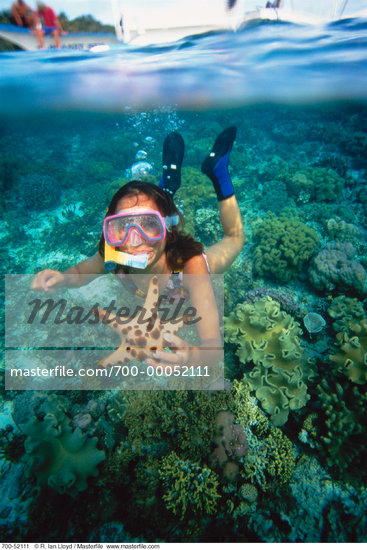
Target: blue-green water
x=72, y=129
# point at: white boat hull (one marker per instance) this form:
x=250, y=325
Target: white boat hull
x=24, y=39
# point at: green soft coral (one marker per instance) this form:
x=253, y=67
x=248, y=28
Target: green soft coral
x=265, y=334
x=189, y=489
x=282, y=246
x=270, y=338
x=55, y=454
x=270, y=459
x=345, y=311
x=351, y=357
x=278, y=391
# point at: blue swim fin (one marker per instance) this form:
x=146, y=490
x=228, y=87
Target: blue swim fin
x=173, y=153
x=215, y=166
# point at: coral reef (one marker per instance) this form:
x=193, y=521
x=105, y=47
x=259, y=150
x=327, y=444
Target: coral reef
x=314, y=184
x=351, y=357
x=335, y=268
x=188, y=487
x=265, y=334
x=196, y=192
x=36, y=192
x=205, y=228
x=301, y=482
x=231, y=444
x=188, y=416
x=11, y=444
x=55, y=454
x=278, y=391
x=270, y=459
x=282, y=247
x=341, y=231
x=344, y=311
x=273, y=196
x=284, y=298
x=269, y=337
x=342, y=431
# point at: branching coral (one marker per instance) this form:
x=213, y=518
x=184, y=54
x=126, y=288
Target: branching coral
x=188, y=487
x=184, y=420
x=282, y=246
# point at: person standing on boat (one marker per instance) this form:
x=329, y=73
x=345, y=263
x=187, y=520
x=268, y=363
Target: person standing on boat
x=51, y=22
x=275, y=4
x=23, y=16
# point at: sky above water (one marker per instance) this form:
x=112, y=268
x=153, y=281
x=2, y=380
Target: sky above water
x=171, y=10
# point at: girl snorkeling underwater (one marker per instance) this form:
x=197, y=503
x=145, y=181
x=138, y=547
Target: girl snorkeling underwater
x=143, y=234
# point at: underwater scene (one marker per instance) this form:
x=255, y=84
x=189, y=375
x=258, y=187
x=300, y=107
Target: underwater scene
x=280, y=454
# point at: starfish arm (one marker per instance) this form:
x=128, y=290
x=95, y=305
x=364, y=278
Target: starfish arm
x=152, y=296
x=118, y=357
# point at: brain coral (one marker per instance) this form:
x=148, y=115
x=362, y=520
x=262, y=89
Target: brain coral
x=55, y=454
x=282, y=246
x=334, y=267
x=269, y=337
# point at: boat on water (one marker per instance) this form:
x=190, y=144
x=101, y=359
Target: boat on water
x=24, y=39
x=131, y=29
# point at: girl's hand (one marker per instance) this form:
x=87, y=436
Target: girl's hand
x=182, y=353
x=47, y=280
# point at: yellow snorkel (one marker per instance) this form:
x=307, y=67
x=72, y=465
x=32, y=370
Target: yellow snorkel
x=112, y=257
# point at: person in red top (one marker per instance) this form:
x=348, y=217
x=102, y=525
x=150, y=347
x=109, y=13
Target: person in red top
x=51, y=22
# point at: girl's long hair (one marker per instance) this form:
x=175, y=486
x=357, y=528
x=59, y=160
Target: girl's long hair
x=180, y=246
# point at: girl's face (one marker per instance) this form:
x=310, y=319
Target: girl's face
x=155, y=251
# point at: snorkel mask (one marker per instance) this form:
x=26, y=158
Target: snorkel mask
x=139, y=226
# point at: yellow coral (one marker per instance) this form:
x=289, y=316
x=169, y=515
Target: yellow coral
x=188, y=487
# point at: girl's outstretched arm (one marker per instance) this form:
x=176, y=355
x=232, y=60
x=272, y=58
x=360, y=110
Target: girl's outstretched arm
x=49, y=279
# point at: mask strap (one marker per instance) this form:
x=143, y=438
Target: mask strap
x=170, y=221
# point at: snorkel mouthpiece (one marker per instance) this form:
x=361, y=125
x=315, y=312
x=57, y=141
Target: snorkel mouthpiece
x=112, y=257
